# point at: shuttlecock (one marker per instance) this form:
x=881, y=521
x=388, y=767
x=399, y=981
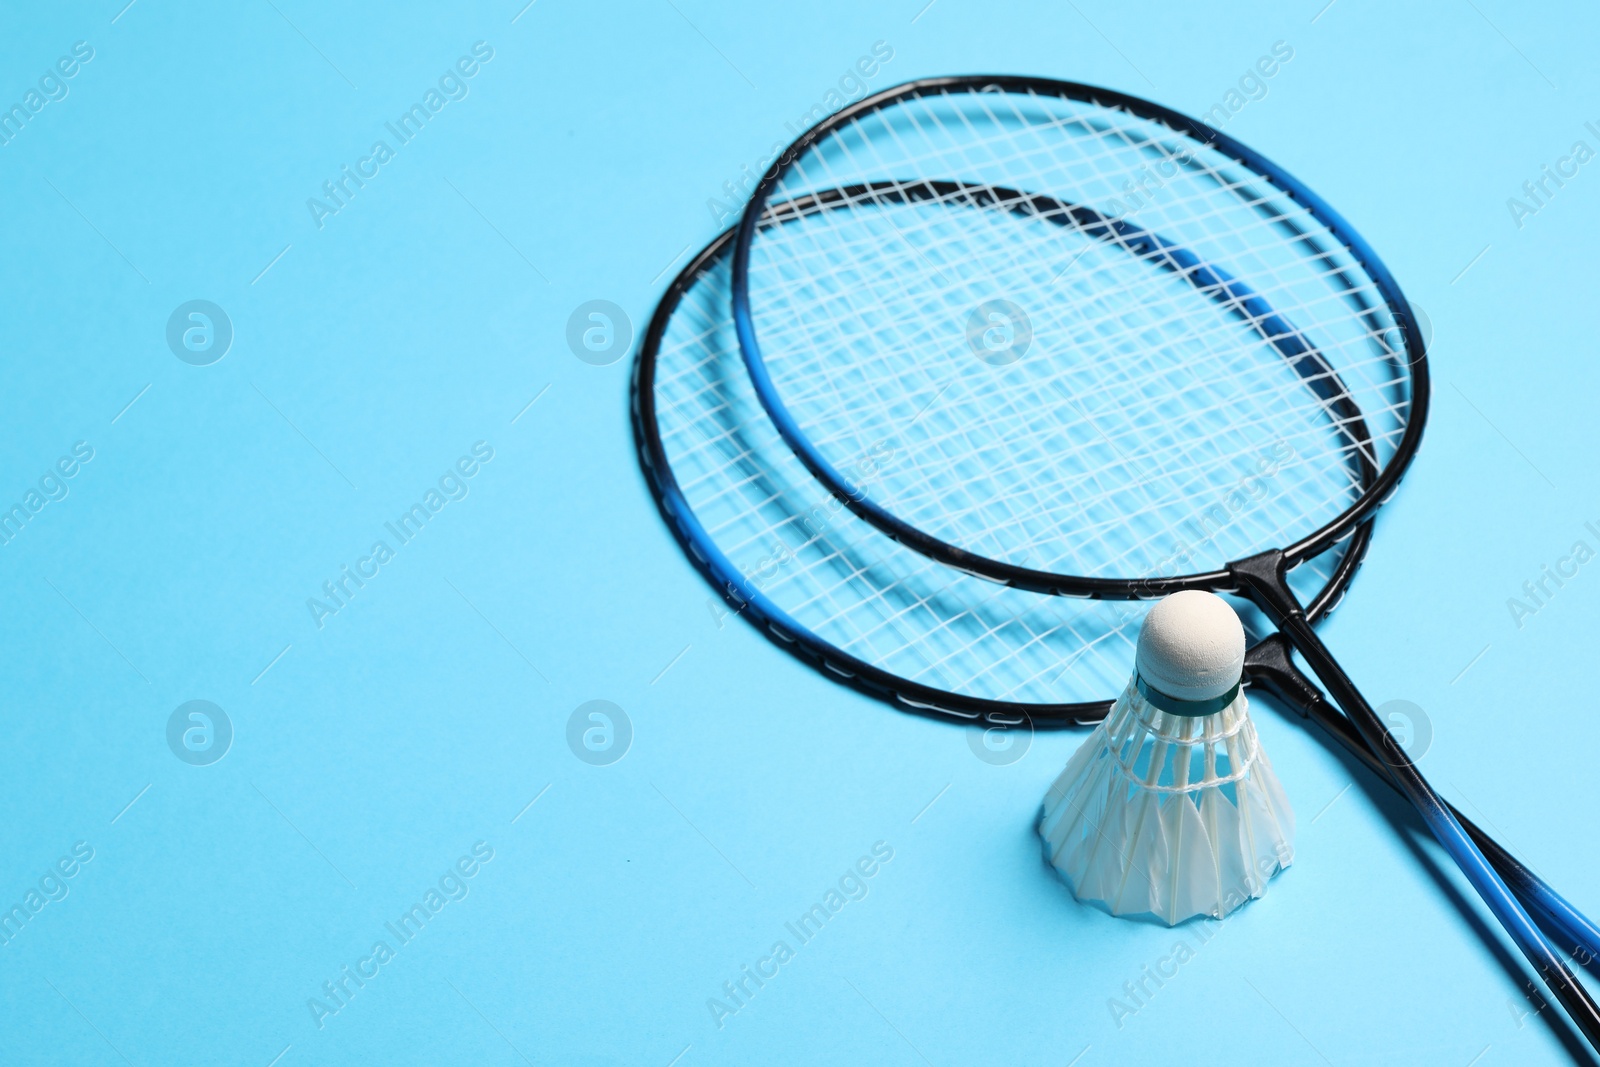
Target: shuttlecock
x=1170, y=808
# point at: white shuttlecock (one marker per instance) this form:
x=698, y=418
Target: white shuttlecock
x=1170, y=808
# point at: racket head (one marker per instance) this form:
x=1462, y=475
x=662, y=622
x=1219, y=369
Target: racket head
x=780, y=550
x=1230, y=323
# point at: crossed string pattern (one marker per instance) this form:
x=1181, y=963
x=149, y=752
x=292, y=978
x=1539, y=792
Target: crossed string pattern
x=841, y=579
x=1154, y=423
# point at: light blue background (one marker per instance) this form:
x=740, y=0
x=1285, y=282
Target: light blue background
x=425, y=715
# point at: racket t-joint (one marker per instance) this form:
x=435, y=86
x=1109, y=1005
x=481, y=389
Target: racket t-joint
x=1262, y=578
x=1267, y=664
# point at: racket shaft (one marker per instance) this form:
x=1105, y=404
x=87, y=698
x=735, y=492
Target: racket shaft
x=1261, y=578
x=1270, y=667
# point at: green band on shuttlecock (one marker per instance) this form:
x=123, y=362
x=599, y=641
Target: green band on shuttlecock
x=1192, y=708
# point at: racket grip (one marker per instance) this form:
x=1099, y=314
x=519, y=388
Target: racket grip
x=1268, y=665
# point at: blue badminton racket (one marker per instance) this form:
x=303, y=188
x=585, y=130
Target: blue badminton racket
x=787, y=557
x=1078, y=320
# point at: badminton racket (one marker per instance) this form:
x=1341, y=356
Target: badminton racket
x=1078, y=318
x=831, y=589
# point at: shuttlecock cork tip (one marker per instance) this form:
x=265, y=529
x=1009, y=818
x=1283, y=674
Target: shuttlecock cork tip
x=1191, y=647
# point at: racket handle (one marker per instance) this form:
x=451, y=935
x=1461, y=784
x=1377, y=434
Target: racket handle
x=1262, y=579
x=1269, y=666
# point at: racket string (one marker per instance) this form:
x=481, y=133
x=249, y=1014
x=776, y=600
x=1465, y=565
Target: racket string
x=937, y=653
x=1348, y=482
x=843, y=580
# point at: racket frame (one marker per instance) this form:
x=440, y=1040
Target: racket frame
x=1375, y=491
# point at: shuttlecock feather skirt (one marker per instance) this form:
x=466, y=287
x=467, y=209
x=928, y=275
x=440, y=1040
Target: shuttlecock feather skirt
x=1168, y=815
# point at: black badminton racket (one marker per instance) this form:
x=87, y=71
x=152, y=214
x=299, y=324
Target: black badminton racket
x=783, y=555
x=1078, y=320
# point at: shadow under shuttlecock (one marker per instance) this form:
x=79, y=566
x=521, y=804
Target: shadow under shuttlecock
x=1414, y=835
